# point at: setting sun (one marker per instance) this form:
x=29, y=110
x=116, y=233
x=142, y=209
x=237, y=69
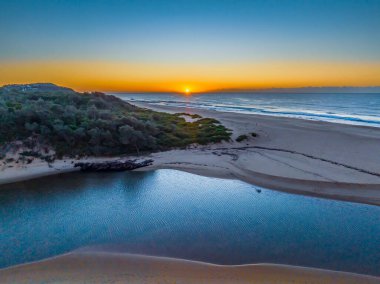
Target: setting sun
x=187, y=91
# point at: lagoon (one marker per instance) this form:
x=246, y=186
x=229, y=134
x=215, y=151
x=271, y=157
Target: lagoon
x=177, y=214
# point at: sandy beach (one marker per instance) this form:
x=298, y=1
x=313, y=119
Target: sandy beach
x=299, y=156
x=190, y=142
x=97, y=266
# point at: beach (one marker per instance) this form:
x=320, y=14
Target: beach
x=97, y=266
x=190, y=142
x=307, y=157
x=298, y=156
x=314, y=158
x=294, y=155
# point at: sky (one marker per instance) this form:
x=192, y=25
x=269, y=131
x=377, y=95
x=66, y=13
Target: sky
x=202, y=45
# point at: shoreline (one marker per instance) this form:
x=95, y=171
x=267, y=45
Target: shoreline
x=314, y=158
x=285, y=157
x=100, y=266
x=279, y=115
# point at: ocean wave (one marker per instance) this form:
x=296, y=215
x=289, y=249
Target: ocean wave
x=327, y=116
x=357, y=112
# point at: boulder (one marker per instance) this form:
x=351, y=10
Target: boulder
x=112, y=166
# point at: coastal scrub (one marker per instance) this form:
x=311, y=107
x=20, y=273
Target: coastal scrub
x=94, y=124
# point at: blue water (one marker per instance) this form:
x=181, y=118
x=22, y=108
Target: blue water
x=359, y=109
x=172, y=213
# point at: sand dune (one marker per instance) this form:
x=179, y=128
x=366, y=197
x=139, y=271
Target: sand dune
x=106, y=267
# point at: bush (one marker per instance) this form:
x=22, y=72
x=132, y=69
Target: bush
x=241, y=138
x=93, y=124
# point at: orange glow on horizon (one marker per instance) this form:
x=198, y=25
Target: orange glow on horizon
x=163, y=77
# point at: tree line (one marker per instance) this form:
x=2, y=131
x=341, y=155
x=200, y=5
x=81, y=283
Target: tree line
x=96, y=124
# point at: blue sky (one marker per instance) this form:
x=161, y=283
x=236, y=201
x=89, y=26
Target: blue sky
x=190, y=30
x=198, y=44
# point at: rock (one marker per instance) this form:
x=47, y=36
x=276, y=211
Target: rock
x=112, y=166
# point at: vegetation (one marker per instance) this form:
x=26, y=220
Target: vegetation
x=80, y=124
x=193, y=116
x=241, y=138
x=254, y=134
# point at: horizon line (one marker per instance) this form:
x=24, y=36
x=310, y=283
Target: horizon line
x=267, y=90
x=311, y=89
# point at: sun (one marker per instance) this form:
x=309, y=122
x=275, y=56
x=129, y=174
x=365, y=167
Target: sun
x=187, y=91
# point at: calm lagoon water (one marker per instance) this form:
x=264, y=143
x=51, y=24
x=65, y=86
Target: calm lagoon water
x=172, y=213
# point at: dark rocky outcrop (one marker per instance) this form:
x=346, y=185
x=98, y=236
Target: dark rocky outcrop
x=112, y=166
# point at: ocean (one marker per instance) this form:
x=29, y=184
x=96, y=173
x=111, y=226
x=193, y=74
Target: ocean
x=358, y=109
